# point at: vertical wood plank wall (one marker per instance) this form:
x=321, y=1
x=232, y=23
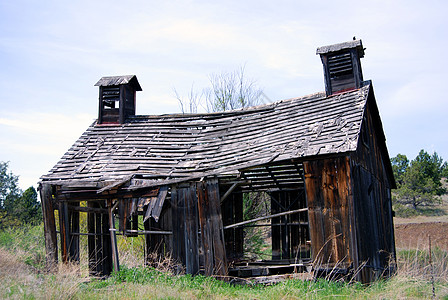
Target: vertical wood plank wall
x=185, y=227
x=212, y=234
x=193, y=205
x=372, y=200
x=329, y=201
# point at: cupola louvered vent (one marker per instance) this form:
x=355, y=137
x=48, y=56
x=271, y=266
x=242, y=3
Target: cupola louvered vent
x=117, y=98
x=342, y=66
x=111, y=96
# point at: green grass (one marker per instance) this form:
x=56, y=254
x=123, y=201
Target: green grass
x=22, y=277
x=207, y=287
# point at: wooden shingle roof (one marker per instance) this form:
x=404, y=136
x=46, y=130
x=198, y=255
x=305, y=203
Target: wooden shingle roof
x=119, y=80
x=183, y=146
x=341, y=46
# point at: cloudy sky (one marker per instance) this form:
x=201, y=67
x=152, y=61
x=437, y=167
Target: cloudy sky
x=53, y=52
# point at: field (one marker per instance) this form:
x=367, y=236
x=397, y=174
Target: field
x=419, y=276
x=414, y=232
x=416, y=235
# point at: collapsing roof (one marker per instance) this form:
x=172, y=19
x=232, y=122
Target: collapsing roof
x=321, y=160
x=174, y=148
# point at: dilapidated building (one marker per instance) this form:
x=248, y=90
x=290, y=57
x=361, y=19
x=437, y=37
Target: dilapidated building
x=180, y=179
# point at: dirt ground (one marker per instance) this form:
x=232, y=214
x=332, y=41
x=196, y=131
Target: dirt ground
x=414, y=232
x=415, y=235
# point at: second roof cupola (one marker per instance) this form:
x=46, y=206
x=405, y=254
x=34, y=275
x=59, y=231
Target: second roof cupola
x=342, y=66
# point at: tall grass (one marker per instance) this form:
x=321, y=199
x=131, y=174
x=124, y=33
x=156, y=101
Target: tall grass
x=27, y=243
x=22, y=277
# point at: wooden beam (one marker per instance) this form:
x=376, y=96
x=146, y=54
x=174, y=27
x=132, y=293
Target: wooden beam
x=150, y=232
x=273, y=225
x=114, y=185
x=191, y=231
x=113, y=237
x=51, y=246
x=91, y=239
x=73, y=217
x=276, y=230
x=86, y=234
x=106, y=244
x=88, y=209
x=266, y=217
x=64, y=231
x=229, y=191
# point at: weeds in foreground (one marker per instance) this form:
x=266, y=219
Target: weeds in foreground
x=26, y=242
x=21, y=276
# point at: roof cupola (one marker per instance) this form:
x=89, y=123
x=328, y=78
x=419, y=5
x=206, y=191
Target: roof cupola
x=342, y=66
x=117, y=98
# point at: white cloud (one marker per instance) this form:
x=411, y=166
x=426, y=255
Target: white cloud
x=49, y=124
x=33, y=142
x=417, y=96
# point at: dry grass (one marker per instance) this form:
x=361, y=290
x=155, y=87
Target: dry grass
x=20, y=281
x=21, y=277
x=412, y=281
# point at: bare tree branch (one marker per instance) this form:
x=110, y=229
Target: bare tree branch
x=227, y=91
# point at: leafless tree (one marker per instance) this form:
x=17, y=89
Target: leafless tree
x=227, y=91
x=230, y=91
x=191, y=103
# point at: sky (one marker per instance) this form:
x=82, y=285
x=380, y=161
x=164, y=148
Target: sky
x=53, y=52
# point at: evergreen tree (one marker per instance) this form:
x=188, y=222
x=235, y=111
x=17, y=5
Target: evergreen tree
x=9, y=187
x=419, y=181
x=27, y=208
x=399, y=165
x=16, y=207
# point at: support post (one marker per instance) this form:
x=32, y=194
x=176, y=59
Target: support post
x=64, y=231
x=91, y=239
x=74, y=232
x=275, y=230
x=51, y=246
x=113, y=236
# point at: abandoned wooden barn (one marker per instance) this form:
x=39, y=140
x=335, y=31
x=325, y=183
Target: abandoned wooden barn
x=180, y=180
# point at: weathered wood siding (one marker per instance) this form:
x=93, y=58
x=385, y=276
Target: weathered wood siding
x=185, y=226
x=212, y=233
x=197, y=205
x=328, y=190
x=51, y=246
x=372, y=198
